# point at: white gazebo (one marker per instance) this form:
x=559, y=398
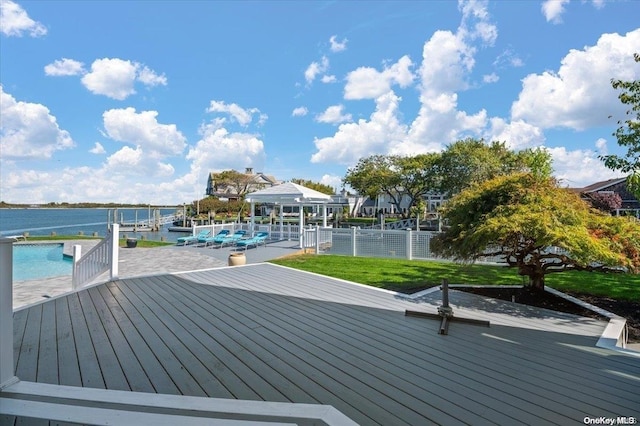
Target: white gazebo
x=290, y=194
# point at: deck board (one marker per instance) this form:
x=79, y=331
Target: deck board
x=68, y=371
x=88, y=365
x=136, y=377
x=48, y=357
x=224, y=383
x=264, y=332
x=178, y=362
x=158, y=378
x=109, y=364
x=27, y=362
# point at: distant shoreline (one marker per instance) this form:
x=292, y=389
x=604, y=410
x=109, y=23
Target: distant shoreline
x=6, y=206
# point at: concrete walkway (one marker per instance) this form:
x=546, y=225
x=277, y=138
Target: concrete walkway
x=134, y=262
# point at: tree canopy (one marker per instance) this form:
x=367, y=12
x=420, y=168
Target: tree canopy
x=460, y=165
x=628, y=133
x=316, y=186
x=240, y=182
x=471, y=161
x=395, y=176
x=521, y=216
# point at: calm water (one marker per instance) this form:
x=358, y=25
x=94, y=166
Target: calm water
x=73, y=221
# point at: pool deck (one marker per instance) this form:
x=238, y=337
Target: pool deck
x=136, y=262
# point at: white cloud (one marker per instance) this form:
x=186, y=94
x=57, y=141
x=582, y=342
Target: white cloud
x=242, y=115
x=328, y=79
x=126, y=158
x=115, y=77
x=553, y=10
x=64, y=67
x=508, y=58
x=97, y=149
x=333, y=115
x=122, y=179
x=333, y=181
x=576, y=169
x=316, y=68
x=28, y=130
x=447, y=61
x=601, y=146
x=149, y=77
x=579, y=95
x=516, y=134
x=143, y=130
x=490, y=78
x=300, y=112
x=355, y=140
x=337, y=46
x=111, y=77
x=369, y=83
x=14, y=21
x=221, y=150
x=476, y=22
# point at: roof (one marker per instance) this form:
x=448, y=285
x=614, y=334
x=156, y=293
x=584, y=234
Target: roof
x=599, y=186
x=288, y=193
x=265, y=332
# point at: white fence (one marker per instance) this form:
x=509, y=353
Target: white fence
x=101, y=258
x=403, y=244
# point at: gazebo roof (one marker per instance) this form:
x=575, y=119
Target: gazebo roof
x=288, y=193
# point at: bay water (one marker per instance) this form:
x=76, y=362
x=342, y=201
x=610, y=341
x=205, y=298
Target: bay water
x=76, y=221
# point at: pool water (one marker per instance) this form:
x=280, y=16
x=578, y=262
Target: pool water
x=38, y=261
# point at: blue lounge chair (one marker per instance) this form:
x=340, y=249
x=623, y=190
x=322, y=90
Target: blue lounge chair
x=228, y=239
x=193, y=238
x=223, y=233
x=256, y=240
x=210, y=240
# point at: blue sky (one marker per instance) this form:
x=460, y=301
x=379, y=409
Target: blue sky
x=137, y=101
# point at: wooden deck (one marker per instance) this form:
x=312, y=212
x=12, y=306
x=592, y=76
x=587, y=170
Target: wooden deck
x=264, y=332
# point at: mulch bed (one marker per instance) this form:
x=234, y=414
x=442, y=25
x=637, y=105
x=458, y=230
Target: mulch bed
x=527, y=296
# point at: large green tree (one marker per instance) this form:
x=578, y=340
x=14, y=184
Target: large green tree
x=395, y=176
x=628, y=133
x=471, y=161
x=240, y=182
x=520, y=216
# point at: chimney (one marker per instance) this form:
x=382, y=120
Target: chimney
x=248, y=171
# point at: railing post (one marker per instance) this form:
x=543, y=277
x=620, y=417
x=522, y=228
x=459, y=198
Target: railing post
x=409, y=244
x=7, y=374
x=354, y=251
x=115, y=250
x=77, y=254
x=317, y=239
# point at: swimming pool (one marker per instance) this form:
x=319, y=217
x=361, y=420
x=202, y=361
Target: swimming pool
x=38, y=261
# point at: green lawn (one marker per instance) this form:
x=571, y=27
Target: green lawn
x=408, y=275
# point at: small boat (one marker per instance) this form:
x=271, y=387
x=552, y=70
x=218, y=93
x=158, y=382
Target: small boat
x=180, y=229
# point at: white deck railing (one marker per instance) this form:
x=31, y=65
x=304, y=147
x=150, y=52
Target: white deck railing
x=101, y=258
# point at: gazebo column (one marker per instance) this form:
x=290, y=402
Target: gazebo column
x=324, y=215
x=301, y=226
x=281, y=222
x=253, y=218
